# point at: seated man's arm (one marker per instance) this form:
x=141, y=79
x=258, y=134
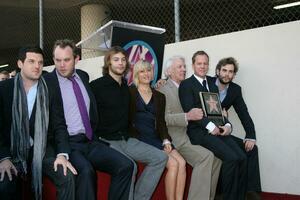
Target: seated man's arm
x=57, y=123
x=189, y=100
x=241, y=109
x=59, y=132
x=175, y=119
x=180, y=118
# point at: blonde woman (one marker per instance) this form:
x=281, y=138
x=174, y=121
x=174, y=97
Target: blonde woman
x=147, y=123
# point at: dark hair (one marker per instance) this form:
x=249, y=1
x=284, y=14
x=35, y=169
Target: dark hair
x=66, y=43
x=29, y=49
x=228, y=61
x=199, y=53
x=112, y=51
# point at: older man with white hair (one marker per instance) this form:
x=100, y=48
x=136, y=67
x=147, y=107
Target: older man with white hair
x=206, y=166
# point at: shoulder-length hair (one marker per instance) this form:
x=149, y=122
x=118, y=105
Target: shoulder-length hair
x=107, y=59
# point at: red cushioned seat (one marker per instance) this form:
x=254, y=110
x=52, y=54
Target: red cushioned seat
x=103, y=182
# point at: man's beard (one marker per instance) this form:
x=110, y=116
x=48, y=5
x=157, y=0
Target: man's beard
x=224, y=82
x=117, y=72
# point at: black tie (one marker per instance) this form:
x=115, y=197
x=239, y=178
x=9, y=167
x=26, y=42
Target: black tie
x=204, y=85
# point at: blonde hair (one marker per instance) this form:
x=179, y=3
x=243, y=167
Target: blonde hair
x=139, y=66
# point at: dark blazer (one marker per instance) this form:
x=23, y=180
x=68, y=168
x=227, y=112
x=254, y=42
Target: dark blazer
x=159, y=100
x=57, y=122
x=234, y=98
x=6, y=99
x=189, y=98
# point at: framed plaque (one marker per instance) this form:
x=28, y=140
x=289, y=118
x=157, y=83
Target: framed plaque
x=211, y=106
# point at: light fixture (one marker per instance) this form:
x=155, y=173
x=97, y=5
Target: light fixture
x=297, y=3
x=5, y=65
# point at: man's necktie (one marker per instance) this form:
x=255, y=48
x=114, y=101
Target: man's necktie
x=204, y=85
x=82, y=108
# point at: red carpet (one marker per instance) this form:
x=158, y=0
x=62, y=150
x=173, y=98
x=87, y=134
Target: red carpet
x=276, y=196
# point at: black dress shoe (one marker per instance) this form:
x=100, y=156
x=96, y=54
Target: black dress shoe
x=253, y=196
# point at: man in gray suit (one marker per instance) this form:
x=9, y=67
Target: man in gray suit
x=206, y=166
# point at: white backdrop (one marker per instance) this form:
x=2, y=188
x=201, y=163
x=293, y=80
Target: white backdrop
x=269, y=59
x=269, y=74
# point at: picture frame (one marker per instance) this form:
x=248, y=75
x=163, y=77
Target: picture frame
x=211, y=106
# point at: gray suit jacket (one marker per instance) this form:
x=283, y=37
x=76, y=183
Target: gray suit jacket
x=205, y=166
x=174, y=115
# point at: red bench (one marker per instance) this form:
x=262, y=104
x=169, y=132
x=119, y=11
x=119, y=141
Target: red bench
x=103, y=181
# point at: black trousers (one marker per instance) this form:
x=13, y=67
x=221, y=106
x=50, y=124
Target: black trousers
x=88, y=156
x=65, y=185
x=11, y=190
x=253, y=174
x=234, y=162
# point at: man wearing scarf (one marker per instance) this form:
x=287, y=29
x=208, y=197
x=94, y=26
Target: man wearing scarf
x=24, y=120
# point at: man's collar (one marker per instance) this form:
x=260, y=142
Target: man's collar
x=199, y=78
x=112, y=80
x=34, y=86
x=218, y=84
x=63, y=79
x=175, y=83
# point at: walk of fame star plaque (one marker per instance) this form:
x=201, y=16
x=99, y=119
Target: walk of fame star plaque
x=211, y=106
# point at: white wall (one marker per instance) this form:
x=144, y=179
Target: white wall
x=269, y=75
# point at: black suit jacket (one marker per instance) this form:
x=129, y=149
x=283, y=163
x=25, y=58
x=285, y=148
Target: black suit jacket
x=159, y=104
x=234, y=98
x=189, y=98
x=57, y=122
x=6, y=99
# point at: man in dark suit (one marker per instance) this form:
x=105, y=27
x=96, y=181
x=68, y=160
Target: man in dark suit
x=215, y=138
x=231, y=95
x=77, y=103
x=25, y=147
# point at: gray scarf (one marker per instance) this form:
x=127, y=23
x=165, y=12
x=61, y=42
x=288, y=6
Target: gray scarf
x=20, y=136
